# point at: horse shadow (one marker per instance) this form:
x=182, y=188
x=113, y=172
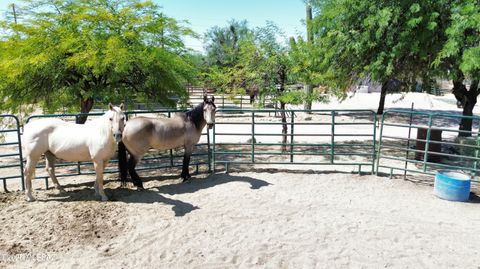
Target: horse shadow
x=213, y=180
x=125, y=195
x=154, y=194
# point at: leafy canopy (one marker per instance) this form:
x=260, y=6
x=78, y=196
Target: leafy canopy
x=65, y=53
x=378, y=39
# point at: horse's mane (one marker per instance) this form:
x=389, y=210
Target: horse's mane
x=196, y=115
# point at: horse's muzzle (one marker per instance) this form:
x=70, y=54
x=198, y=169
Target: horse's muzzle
x=117, y=137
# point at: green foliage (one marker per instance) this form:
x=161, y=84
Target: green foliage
x=222, y=43
x=300, y=97
x=461, y=51
x=378, y=39
x=65, y=53
x=250, y=59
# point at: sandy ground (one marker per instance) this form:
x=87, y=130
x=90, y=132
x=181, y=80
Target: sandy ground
x=265, y=218
x=257, y=219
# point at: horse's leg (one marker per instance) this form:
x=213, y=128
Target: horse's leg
x=50, y=168
x=95, y=185
x=99, y=167
x=186, y=162
x=29, y=171
x=132, y=162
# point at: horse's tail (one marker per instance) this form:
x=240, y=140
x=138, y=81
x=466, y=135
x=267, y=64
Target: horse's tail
x=122, y=163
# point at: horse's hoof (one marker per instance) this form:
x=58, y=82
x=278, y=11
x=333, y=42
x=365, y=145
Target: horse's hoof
x=61, y=190
x=140, y=188
x=104, y=198
x=30, y=199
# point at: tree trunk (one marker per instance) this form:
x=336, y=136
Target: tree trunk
x=388, y=86
x=308, y=103
x=383, y=93
x=281, y=77
x=470, y=99
x=85, y=107
x=460, y=92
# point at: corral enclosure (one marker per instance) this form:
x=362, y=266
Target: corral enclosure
x=333, y=140
x=300, y=203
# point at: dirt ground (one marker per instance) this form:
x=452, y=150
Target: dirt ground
x=265, y=218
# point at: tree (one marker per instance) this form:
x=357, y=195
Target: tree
x=255, y=58
x=222, y=43
x=460, y=57
x=223, y=60
x=265, y=62
x=73, y=53
x=387, y=41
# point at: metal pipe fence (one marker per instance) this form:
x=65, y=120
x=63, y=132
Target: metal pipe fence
x=226, y=101
x=240, y=137
x=438, y=143
x=260, y=138
x=11, y=165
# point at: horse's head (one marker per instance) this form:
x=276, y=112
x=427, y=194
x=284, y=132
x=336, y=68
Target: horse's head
x=117, y=121
x=209, y=109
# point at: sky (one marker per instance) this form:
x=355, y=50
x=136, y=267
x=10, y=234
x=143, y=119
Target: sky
x=204, y=14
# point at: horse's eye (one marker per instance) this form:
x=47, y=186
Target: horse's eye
x=122, y=118
x=111, y=119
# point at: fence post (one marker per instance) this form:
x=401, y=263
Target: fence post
x=171, y=150
x=292, y=124
x=20, y=154
x=477, y=151
x=79, y=170
x=408, y=143
x=374, y=152
x=332, y=143
x=214, y=148
x=380, y=141
x=209, y=152
x=253, y=136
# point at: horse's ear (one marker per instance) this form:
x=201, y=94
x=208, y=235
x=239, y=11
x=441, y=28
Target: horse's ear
x=110, y=106
x=121, y=106
x=205, y=98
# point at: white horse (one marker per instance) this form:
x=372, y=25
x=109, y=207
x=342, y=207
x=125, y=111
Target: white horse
x=96, y=140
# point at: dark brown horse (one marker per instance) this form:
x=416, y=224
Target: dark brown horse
x=183, y=130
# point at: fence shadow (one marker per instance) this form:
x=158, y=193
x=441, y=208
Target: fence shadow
x=251, y=168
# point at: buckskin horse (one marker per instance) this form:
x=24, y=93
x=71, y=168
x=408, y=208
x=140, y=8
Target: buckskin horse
x=182, y=130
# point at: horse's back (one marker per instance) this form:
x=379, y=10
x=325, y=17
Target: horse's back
x=36, y=134
x=67, y=141
x=39, y=126
x=142, y=133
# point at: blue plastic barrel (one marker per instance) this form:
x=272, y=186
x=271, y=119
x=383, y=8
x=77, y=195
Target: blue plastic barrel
x=452, y=185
